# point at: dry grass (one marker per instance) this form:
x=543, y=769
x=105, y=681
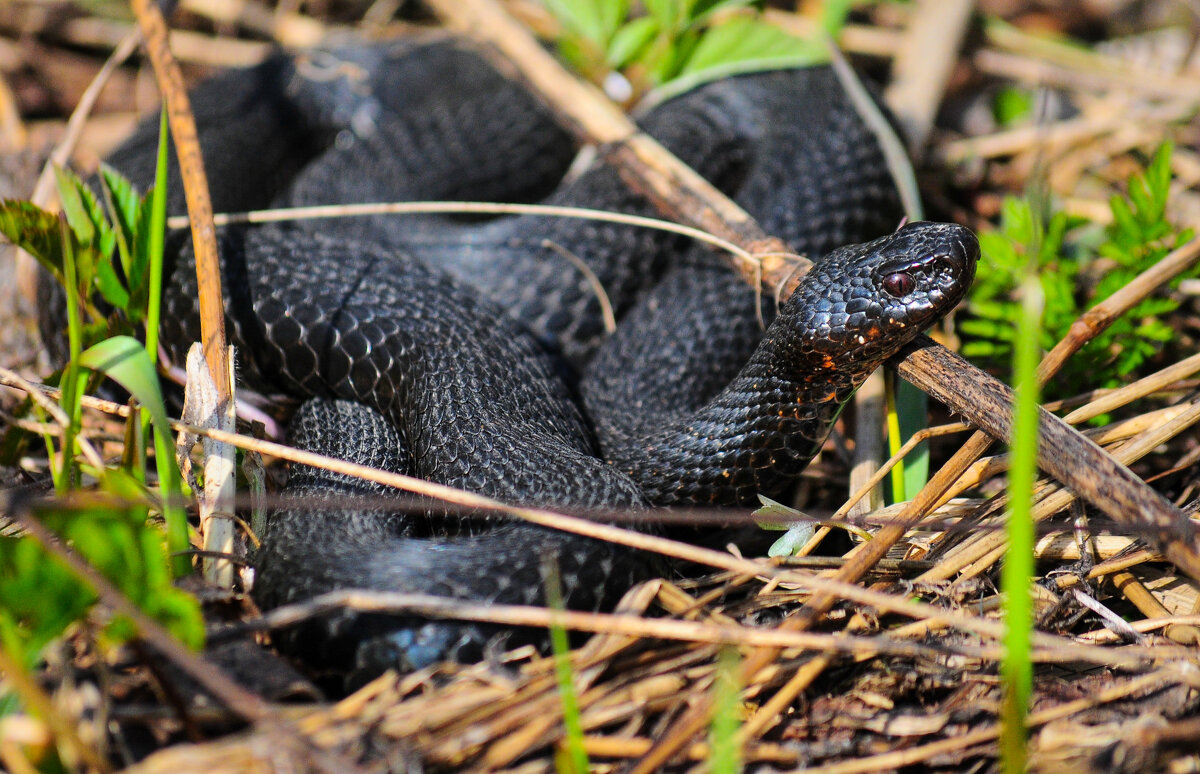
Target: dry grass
x=864, y=678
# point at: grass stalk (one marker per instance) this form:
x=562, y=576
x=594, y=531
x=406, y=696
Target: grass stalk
x=1017, y=573
x=73, y=382
x=896, y=477
x=155, y=239
x=572, y=757
x=169, y=482
x=725, y=751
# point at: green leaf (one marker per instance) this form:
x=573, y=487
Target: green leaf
x=73, y=196
x=1158, y=178
x=35, y=231
x=773, y=515
x=1012, y=105
x=666, y=12
x=93, y=238
x=583, y=17
x=124, y=360
x=612, y=14
x=1123, y=219
x=125, y=211
x=701, y=10
x=741, y=40
x=110, y=286
x=630, y=41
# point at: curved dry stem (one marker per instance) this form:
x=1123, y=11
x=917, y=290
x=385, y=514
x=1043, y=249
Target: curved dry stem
x=606, y=309
x=316, y=212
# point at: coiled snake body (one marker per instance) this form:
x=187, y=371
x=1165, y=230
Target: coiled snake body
x=473, y=354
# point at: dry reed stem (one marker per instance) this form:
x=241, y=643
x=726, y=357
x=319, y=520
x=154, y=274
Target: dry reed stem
x=107, y=34
x=826, y=586
x=219, y=470
x=195, y=186
x=977, y=556
x=916, y=755
x=928, y=51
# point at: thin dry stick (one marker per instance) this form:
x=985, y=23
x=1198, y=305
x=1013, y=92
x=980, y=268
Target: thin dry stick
x=633, y=626
x=316, y=212
x=195, y=186
x=926, y=56
x=644, y=164
x=219, y=484
x=39, y=702
x=920, y=754
x=582, y=526
x=977, y=557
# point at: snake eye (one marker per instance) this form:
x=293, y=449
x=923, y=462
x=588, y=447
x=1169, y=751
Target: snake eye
x=899, y=284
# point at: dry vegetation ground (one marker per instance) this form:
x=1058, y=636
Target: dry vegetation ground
x=880, y=682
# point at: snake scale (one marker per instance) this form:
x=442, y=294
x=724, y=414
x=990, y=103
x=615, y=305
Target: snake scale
x=471, y=353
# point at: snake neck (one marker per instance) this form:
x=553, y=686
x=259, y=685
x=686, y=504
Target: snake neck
x=755, y=436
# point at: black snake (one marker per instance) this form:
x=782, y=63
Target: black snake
x=473, y=354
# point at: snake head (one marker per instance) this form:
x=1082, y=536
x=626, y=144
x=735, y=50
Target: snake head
x=861, y=303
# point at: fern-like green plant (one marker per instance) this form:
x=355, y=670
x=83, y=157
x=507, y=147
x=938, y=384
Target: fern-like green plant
x=665, y=41
x=109, y=259
x=1076, y=274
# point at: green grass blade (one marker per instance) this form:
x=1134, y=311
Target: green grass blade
x=907, y=409
x=153, y=238
x=121, y=198
x=124, y=360
x=576, y=759
x=913, y=412
x=725, y=756
x=150, y=241
x=896, y=477
x=1017, y=574
x=73, y=379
